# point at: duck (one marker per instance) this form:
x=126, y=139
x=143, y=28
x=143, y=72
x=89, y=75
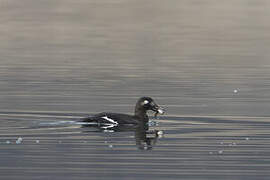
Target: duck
x=140, y=117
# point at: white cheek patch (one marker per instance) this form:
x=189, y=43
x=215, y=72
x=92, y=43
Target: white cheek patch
x=110, y=120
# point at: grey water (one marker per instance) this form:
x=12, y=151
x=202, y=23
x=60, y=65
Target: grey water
x=207, y=62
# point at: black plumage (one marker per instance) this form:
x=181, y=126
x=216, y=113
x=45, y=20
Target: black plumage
x=140, y=116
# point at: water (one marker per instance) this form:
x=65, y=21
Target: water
x=206, y=61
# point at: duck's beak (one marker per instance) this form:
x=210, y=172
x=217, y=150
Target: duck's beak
x=158, y=109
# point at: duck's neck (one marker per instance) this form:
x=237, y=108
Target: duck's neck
x=141, y=113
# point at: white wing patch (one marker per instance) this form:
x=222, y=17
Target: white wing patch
x=110, y=120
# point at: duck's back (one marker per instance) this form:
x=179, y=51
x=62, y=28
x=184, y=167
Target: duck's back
x=112, y=118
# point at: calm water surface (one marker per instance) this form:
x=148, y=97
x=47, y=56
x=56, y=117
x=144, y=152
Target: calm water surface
x=206, y=61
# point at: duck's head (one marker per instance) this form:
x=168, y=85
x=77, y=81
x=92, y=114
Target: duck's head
x=145, y=104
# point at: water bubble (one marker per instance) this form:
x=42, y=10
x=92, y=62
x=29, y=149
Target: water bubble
x=220, y=152
x=210, y=152
x=110, y=146
x=247, y=138
x=235, y=91
x=19, y=140
x=8, y=142
x=37, y=141
x=221, y=143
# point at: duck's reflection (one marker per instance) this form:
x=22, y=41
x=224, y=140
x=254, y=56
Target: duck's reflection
x=145, y=139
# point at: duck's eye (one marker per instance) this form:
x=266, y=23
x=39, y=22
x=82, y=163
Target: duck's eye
x=145, y=102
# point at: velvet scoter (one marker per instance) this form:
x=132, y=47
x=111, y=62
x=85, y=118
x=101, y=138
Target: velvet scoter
x=140, y=116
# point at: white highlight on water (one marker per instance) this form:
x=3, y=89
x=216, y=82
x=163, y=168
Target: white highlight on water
x=67, y=123
x=19, y=140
